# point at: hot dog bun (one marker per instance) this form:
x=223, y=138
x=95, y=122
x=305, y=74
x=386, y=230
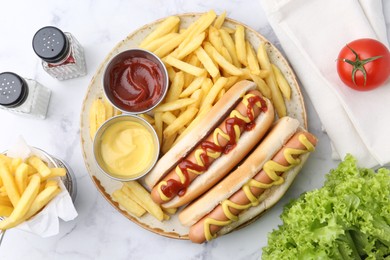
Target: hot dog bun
x=199, y=132
x=223, y=164
x=230, y=190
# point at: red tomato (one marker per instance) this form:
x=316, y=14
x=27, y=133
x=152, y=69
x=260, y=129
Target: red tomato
x=364, y=64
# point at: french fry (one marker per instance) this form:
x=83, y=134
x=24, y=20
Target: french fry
x=97, y=116
x=15, y=162
x=171, y=72
x=181, y=120
x=207, y=62
x=130, y=194
x=224, y=52
x=21, y=177
x=40, y=166
x=176, y=87
x=197, y=95
x=9, y=184
x=31, y=170
x=7, y=160
x=163, y=28
x=169, y=45
x=202, y=112
x=187, y=35
x=41, y=200
x=5, y=211
x=168, y=142
x=228, y=29
x=139, y=191
x=215, y=39
x=166, y=216
x=206, y=86
x=56, y=172
x=158, y=123
x=148, y=118
x=239, y=38
x=26, y=199
x=263, y=87
x=168, y=118
x=100, y=112
x=117, y=112
x=253, y=63
x=51, y=183
x=108, y=108
x=92, y=120
x=231, y=81
x=191, y=46
x=4, y=201
x=282, y=82
x=230, y=46
x=277, y=97
x=212, y=95
x=186, y=67
x=3, y=191
x=128, y=203
x=220, y=20
x=194, y=61
x=170, y=211
x=220, y=94
x=197, y=27
x=156, y=43
x=174, y=105
x=195, y=85
x=226, y=65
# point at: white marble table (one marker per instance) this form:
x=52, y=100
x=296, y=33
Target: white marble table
x=100, y=232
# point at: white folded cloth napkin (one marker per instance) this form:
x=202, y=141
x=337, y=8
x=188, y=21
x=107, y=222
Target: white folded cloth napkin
x=311, y=34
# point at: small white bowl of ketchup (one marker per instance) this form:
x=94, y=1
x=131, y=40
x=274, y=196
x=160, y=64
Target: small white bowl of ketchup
x=135, y=81
x=126, y=147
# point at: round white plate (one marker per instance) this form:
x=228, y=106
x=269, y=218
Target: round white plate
x=171, y=228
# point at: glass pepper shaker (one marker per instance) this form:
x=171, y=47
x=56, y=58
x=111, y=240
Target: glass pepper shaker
x=61, y=54
x=23, y=96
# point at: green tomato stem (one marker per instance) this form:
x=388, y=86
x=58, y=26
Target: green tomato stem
x=358, y=65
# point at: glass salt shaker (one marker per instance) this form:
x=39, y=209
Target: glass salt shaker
x=23, y=96
x=61, y=54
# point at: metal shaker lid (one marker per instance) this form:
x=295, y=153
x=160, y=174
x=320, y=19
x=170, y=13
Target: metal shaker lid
x=51, y=44
x=13, y=90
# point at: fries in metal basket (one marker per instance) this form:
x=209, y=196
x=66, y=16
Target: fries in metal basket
x=28, y=188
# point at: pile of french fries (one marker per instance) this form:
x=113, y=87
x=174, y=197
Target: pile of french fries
x=203, y=61
x=26, y=187
x=99, y=112
x=136, y=200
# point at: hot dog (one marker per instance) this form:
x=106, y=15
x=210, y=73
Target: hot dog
x=257, y=184
x=203, y=157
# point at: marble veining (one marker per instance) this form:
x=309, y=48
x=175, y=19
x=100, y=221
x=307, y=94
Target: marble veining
x=100, y=232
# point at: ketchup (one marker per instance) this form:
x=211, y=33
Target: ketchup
x=136, y=83
x=69, y=60
x=174, y=187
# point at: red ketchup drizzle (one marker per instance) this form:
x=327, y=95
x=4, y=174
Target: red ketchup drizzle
x=174, y=187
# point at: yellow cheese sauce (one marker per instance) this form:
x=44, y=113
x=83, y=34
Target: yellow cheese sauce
x=127, y=149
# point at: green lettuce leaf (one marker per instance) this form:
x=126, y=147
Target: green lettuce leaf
x=348, y=218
